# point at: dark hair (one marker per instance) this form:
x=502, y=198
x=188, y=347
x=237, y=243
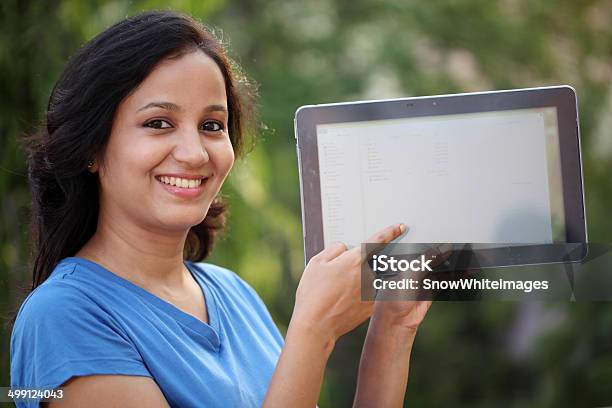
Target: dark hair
x=79, y=117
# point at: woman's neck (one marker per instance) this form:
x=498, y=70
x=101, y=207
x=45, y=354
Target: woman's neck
x=144, y=257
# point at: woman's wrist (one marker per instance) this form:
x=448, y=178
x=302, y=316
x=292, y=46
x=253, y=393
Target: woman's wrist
x=314, y=333
x=387, y=323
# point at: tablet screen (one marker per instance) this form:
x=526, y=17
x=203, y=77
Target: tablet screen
x=489, y=177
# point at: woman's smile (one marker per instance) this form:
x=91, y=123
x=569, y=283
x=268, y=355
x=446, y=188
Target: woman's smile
x=184, y=186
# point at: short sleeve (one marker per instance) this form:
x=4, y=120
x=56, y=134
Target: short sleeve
x=61, y=333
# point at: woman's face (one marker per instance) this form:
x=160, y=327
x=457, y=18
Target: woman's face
x=169, y=150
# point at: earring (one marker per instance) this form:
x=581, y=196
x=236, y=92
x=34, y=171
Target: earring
x=90, y=164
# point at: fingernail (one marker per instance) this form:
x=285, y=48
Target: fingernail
x=402, y=228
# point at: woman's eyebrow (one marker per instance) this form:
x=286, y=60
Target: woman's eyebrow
x=163, y=105
x=175, y=108
x=213, y=108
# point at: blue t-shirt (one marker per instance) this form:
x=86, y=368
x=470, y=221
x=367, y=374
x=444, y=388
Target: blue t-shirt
x=85, y=320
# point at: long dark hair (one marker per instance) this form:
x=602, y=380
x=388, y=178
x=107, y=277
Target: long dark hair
x=79, y=117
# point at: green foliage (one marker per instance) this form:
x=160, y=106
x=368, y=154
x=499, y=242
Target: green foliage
x=328, y=51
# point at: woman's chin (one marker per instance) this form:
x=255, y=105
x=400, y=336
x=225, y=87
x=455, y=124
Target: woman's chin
x=180, y=223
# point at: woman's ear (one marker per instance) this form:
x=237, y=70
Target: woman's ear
x=92, y=166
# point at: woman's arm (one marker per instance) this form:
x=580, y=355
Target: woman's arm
x=328, y=304
x=102, y=391
x=299, y=372
x=385, y=360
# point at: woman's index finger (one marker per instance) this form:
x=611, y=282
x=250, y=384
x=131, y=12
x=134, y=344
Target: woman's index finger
x=380, y=239
x=387, y=234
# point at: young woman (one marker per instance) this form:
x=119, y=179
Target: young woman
x=141, y=131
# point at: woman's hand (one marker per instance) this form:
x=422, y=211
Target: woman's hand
x=327, y=305
x=328, y=298
x=395, y=310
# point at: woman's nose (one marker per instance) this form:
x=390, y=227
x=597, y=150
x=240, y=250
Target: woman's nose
x=190, y=149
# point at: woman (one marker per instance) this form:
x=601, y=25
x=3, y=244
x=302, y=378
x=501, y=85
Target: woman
x=142, y=129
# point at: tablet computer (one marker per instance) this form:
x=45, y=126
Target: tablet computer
x=502, y=169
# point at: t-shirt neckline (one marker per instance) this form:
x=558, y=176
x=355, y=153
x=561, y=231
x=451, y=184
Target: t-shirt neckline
x=210, y=331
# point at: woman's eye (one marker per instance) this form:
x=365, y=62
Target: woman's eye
x=158, y=124
x=212, y=126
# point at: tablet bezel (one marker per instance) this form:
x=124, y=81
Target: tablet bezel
x=561, y=97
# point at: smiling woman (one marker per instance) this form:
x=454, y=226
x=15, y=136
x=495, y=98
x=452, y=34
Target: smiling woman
x=176, y=126
x=141, y=131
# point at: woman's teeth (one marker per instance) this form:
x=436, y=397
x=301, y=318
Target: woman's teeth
x=180, y=182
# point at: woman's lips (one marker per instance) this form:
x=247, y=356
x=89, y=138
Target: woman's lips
x=174, y=185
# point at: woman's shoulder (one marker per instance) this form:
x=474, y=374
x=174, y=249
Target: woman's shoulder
x=61, y=296
x=64, y=306
x=63, y=330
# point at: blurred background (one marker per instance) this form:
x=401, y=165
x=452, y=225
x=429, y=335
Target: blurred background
x=475, y=354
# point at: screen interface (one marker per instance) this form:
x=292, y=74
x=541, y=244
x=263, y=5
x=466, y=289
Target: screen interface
x=490, y=177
